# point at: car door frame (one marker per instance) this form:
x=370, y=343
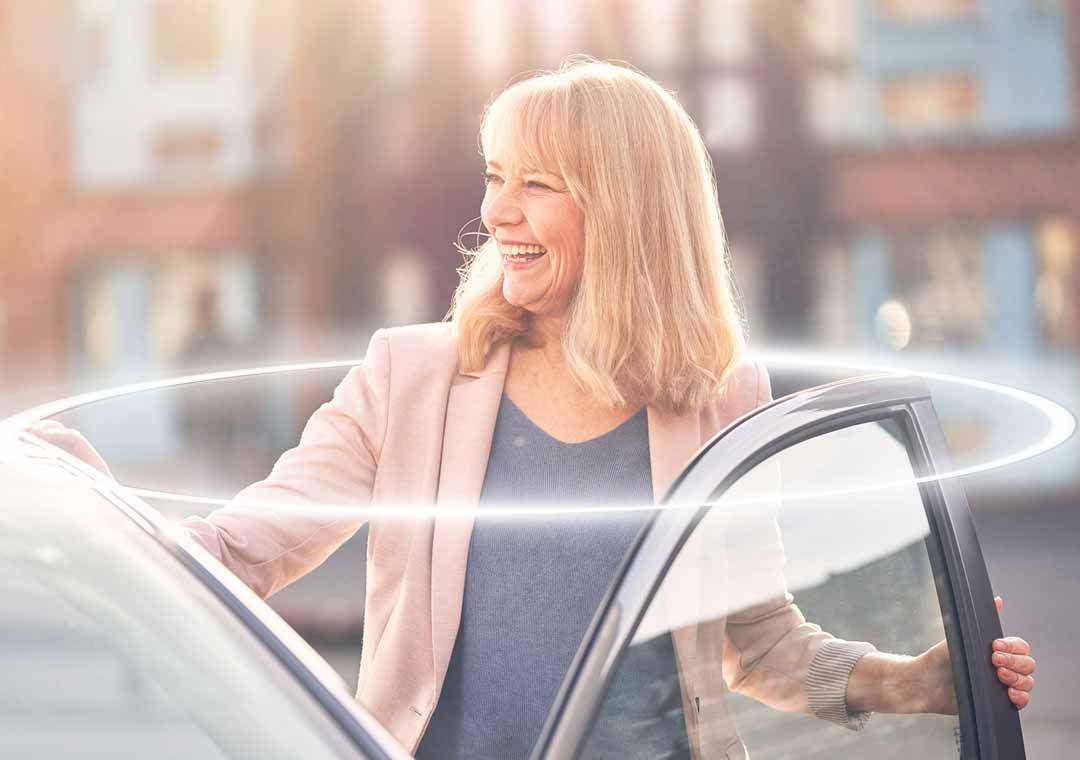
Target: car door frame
x=969, y=611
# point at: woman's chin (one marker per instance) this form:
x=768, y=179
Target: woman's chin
x=519, y=297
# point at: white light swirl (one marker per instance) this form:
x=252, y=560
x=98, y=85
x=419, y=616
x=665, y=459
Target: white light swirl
x=1060, y=426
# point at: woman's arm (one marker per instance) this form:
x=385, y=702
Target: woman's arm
x=770, y=651
x=273, y=531
x=924, y=684
x=774, y=655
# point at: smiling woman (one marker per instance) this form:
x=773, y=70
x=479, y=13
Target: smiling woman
x=595, y=345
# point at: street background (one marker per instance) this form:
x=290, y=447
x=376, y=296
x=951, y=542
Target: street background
x=203, y=184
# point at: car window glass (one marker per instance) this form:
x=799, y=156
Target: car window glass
x=109, y=647
x=723, y=656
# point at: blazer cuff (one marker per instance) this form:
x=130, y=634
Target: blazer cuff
x=827, y=679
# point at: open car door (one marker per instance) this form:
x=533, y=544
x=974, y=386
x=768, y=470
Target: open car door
x=829, y=497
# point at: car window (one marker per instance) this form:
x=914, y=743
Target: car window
x=716, y=654
x=109, y=647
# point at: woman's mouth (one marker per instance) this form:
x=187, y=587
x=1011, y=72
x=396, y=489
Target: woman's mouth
x=521, y=254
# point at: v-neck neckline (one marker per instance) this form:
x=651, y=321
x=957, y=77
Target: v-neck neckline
x=548, y=436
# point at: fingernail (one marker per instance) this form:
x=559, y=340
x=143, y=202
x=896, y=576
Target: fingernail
x=998, y=658
x=999, y=645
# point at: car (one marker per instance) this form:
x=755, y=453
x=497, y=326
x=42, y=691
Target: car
x=123, y=635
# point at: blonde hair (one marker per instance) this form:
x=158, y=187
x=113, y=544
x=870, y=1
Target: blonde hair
x=653, y=319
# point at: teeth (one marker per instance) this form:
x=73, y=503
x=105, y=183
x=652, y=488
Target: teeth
x=523, y=250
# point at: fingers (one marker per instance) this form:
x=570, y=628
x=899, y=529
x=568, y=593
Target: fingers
x=1016, y=680
x=1019, y=698
x=1014, y=668
x=1012, y=656
x=1012, y=644
x=1022, y=664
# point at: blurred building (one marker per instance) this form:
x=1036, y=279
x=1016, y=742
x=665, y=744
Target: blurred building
x=896, y=175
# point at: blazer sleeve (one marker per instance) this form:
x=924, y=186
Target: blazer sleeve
x=284, y=526
x=773, y=654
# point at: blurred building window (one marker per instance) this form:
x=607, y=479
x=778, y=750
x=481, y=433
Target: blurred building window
x=658, y=31
x=927, y=10
x=729, y=111
x=406, y=288
x=270, y=139
x=272, y=54
x=204, y=307
x=831, y=27
x=832, y=104
x=400, y=37
x=93, y=28
x=726, y=30
x=834, y=309
x=937, y=297
x=182, y=151
x=186, y=36
x=175, y=100
x=106, y=302
x=128, y=314
x=927, y=104
x=1055, y=290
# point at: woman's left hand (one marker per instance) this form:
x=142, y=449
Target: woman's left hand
x=1015, y=665
x=891, y=683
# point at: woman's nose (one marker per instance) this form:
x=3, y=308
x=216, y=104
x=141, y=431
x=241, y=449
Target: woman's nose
x=501, y=208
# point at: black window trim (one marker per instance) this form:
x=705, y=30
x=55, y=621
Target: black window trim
x=760, y=434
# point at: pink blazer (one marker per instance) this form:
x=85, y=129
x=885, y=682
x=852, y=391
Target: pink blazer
x=407, y=426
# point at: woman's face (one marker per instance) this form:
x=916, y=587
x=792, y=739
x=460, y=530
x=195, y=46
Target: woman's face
x=540, y=232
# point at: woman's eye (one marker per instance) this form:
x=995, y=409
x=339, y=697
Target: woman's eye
x=490, y=178
x=537, y=185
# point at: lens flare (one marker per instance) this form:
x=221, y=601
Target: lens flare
x=1060, y=427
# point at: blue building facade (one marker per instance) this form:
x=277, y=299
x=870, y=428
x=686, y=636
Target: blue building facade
x=971, y=76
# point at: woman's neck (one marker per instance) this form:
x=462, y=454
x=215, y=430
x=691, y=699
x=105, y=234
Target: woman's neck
x=544, y=339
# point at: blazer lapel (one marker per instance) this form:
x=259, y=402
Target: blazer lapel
x=673, y=440
x=471, y=409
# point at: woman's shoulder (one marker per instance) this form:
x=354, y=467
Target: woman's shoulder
x=745, y=388
x=432, y=340
x=414, y=352
x=748, y=381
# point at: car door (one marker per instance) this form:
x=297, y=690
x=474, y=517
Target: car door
x=824, y=505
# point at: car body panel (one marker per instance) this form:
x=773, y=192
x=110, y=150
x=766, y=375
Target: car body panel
x=46, y=486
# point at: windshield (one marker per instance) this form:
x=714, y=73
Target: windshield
x=109, y=646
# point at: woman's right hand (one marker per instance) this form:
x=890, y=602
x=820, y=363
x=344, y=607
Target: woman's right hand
x=70, y=440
